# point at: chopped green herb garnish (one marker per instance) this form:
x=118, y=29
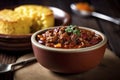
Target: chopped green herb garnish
x=76, y=31
x=69, y=29
x=72, y=29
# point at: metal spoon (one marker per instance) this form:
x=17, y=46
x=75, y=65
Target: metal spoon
x=11, y=67
x=95, y=14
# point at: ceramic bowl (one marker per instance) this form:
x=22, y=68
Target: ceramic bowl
x=22, y=42
x=69, y=60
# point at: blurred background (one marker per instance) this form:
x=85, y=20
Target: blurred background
x=100, y=5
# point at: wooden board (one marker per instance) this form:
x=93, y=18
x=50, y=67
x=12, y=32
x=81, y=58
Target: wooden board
x=109, y=69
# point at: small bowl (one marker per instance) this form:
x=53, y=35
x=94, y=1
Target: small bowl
x=69, y=60
x=22, y=42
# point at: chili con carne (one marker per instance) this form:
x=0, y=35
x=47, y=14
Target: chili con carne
x=68, y=37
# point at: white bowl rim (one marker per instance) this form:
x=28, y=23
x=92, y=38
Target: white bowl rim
x=102, y=43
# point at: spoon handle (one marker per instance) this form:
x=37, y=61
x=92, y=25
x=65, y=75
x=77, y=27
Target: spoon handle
x=24, y=62
x=105, y=17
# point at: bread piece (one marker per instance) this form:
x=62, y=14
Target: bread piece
x=41, y=16
x=13, y=23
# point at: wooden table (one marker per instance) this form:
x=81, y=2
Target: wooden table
x=108, y=7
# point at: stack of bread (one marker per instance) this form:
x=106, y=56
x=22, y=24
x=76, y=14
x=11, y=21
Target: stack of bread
x=25, y=19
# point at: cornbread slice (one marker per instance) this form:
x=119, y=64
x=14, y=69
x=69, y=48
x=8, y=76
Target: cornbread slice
x=42, y=17
x=13, y=23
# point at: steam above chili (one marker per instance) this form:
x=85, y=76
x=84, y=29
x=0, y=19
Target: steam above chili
x=68, y=37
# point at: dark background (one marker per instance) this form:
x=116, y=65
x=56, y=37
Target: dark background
x=100, y=5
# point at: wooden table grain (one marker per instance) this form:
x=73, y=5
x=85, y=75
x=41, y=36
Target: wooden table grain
x=108, y=7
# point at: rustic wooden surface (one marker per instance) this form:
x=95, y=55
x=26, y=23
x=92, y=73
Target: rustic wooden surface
x=108, y=7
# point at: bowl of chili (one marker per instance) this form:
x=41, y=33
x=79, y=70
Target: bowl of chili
x=69, y=49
